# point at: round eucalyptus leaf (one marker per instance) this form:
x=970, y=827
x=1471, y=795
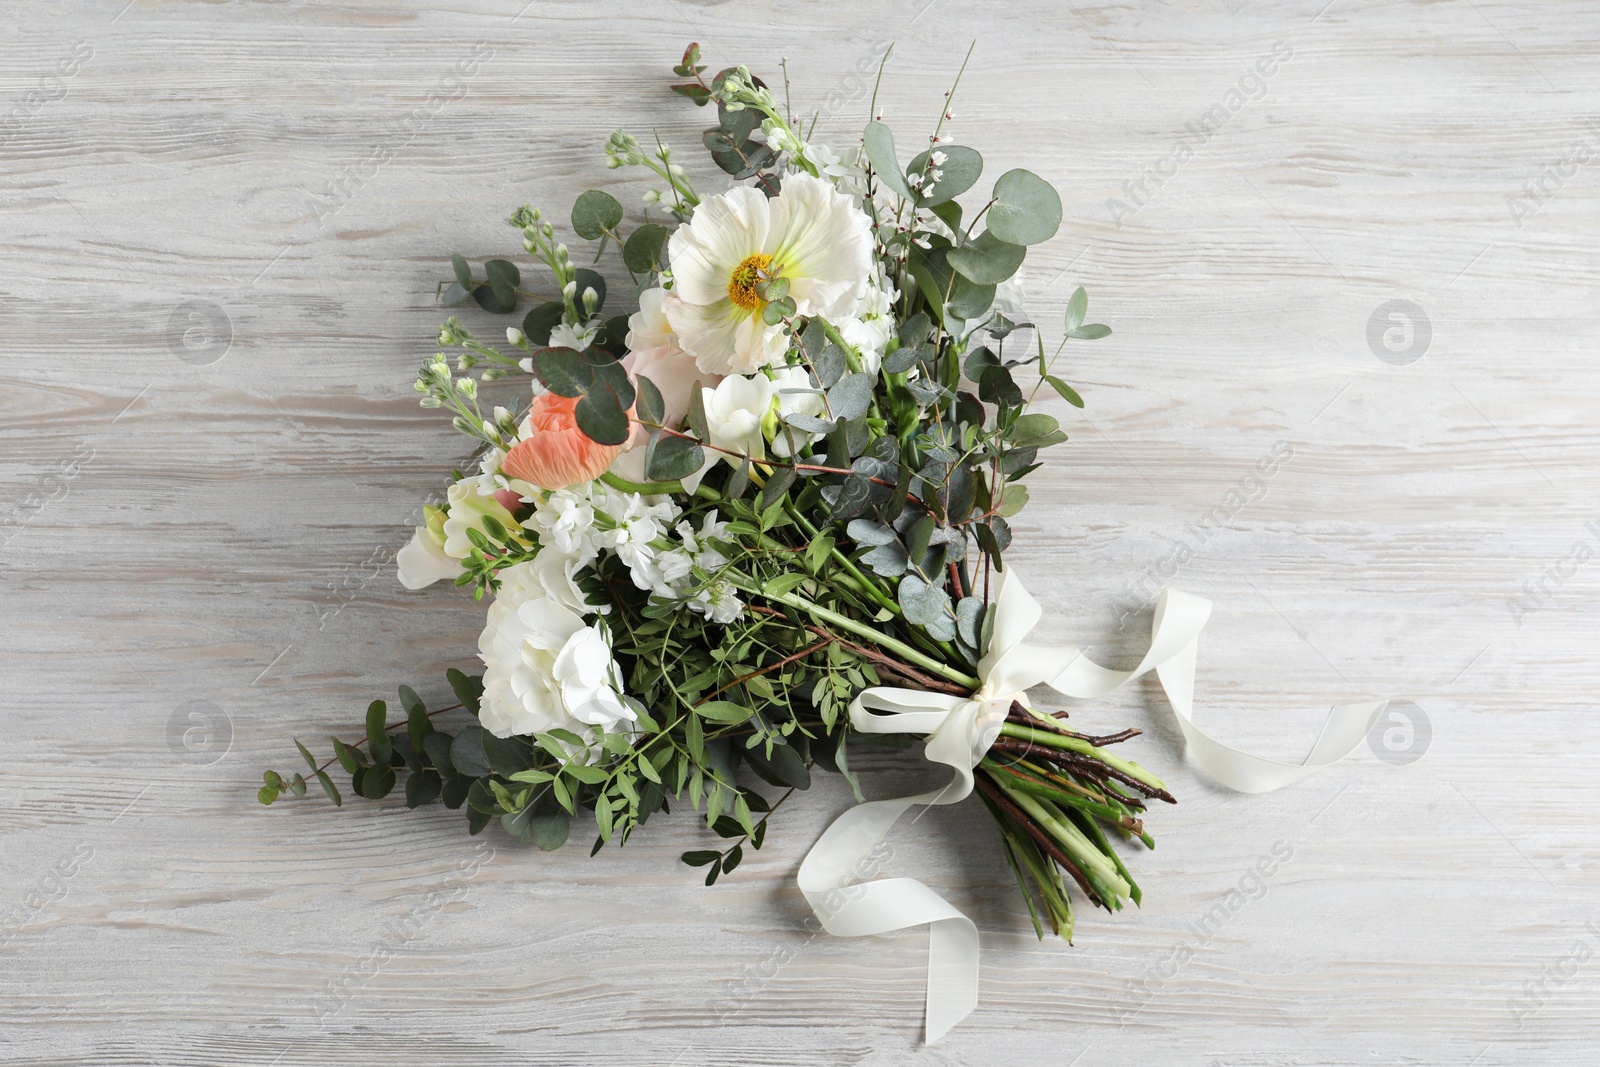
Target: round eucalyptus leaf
x=987, y=260
x=1027, y=208
x=537, y=324
x=958, y=173
x=593, y=213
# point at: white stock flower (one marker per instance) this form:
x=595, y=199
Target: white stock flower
x=544, y=669
x=565, y=335
x=809, y=234
x=564, y=519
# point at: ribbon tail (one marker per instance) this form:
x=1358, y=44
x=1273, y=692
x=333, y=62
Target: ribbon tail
x=847, y=850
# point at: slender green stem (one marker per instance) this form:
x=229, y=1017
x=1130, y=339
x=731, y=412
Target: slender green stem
x=844, y=561
x=1073, y=744
x=882, y=640
x=616, y=481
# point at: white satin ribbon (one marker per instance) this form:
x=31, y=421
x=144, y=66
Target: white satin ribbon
x=961, y=729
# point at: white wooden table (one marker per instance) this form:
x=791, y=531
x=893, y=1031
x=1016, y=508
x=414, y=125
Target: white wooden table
x=222, y=225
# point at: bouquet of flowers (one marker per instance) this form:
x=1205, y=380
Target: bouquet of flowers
x=731, y=523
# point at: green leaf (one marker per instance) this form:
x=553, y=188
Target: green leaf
x=463, y=272
x=506, y=755
x=593, y=213
x=669, y=458
x=926, y=605
x=1077, y=308
x=602, y=415
x=503, y=274
x=783, y=583
x=423, y=787
x=467, y=755
x=538, y=323
x=735, y=854
x=436, y=746
x=987, y=260
x=784, y=767
x=880, y=153
x=650, y=408
x=306, y=755
x=700, y=857
x=550, y=829
x=852, y=395
x=377, y=782
x=563, y=371
x=1027, y=208
x=949, y=213
x=724, y=711
x=377, y=732
x=266, y=794
x=349, y=758
x=467, y=688
x=453, y=294
x=1068, y=393
x=497, y=299
x=642, y=252
x=958, y=173
x=1092, y=332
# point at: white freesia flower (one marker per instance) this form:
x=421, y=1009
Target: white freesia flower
x=809, y=234
x=734, y=413
x=423, y=561
x=544, y=669
x=468, y=507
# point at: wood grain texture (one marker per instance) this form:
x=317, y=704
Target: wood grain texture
x=179, y=532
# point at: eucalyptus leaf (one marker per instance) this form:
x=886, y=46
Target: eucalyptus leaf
x=1027, y=209
x=987, y=260
x=642, y=251
x=593, y=213
x=467, y=755
x=958, y=173
x=879, y=143
x=538, y=322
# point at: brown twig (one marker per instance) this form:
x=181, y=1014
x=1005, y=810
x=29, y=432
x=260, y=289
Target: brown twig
x=827, y=640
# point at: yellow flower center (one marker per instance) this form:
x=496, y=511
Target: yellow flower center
x=742, y=282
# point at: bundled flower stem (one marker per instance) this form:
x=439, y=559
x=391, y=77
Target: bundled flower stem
x=705, y=524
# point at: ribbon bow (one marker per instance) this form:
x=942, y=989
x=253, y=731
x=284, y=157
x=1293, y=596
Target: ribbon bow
x=961, y=729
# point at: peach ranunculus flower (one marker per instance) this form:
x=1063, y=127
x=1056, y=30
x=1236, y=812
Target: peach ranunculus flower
x=554, y=453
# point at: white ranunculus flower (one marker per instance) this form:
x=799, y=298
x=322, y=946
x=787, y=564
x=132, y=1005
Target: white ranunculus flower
x=734, y=413
x=468, y=506
x=809, y=234
x=544, y=669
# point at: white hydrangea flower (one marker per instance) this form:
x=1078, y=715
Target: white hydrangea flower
x=544, y=669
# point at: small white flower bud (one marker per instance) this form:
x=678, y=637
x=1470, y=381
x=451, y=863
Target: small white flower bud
x=514, y=336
